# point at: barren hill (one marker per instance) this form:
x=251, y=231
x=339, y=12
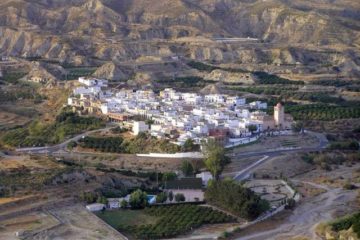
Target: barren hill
x=312, y=32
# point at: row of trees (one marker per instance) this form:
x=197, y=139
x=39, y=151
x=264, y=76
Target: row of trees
x=13, y=95
x=323, y=112
x=266, y=78
x=228, y=194
x=209, y=68
x=139, y=199
x=140, y=144
x=176, y=219
x=235, y=198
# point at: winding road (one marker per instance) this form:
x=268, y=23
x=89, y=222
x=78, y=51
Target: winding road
x=61, y=146
x=303, y=219
x=270, y=154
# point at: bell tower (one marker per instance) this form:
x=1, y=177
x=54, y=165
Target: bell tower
x=279, y=115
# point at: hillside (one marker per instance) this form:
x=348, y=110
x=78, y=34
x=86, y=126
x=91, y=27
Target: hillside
x=86, y=32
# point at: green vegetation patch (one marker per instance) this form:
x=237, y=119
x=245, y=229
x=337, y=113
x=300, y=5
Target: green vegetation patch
x=166, y=221
x=235, y=198
x=335, y=83
x=126, y=217
x=347, y=222
x=209, y=68
x=13, y=77
x=25, y=178
x=268, y=90
x=76, y=72
x=185, y=82
x=266, y=78
x=325, y=160
x=39, y=134
x=143, y=143
x=322, y=112
x=344, y=145
x=25, y=92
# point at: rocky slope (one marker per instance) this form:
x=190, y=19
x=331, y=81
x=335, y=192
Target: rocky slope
x=79, y=32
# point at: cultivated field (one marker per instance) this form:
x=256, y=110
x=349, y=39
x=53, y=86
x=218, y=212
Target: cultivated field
x=277, y=142
x=10, y=120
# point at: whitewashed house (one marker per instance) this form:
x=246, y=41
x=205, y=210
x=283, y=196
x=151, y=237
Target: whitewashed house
x=114, y=203
x=95, y=207
x=205, y=177
x=139, y=127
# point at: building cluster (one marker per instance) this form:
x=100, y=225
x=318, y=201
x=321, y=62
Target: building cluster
x=192, y=188
x=178, y=116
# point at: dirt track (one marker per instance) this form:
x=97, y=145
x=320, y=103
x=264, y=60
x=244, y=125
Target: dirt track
x=307, y=215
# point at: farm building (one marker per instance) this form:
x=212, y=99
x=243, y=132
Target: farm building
x=191, y=188
x=95, y=207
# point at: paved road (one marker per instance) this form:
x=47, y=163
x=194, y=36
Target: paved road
x=245, y=173
x=323, y=142
x=61, y=146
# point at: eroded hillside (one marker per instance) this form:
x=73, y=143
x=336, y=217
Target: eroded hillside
x=322, y=33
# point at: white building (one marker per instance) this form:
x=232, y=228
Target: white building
x=139, y=127
x=258, y=105
x=114, y=203
x=215, y=98
x=87, y=90
x=235, y=101
x=93, y=82
x=205, y=177
x=202, y=129
x=95, y=207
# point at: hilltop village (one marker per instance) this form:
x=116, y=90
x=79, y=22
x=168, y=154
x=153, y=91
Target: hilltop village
x=179, y=116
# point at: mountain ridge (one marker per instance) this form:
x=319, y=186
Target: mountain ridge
x=78, y=31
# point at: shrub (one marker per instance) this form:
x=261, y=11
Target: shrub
x=161, y=197
x=138, y=199
x=349, y=186
x=187, y=168
x=346, y=145
x=123, y=204
x=72, y=145
x=179, y=197
x=346, y=222
x=171, y=196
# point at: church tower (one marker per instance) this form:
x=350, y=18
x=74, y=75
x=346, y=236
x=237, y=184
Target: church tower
x=279, y=115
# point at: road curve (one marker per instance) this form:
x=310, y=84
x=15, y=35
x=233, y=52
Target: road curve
x=54, y=148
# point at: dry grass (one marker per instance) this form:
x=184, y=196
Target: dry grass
x=36, y=221
x=32, y=162
x=9, y=120
x=124, y=161
x=275, y=142
x=288, y=165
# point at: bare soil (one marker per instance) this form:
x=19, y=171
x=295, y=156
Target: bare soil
x=276, y=142
x=287, y=165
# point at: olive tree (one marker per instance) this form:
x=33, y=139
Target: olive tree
x=215, y=158
x=138, y=199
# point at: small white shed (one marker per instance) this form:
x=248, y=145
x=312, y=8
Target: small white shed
x=95, y=207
